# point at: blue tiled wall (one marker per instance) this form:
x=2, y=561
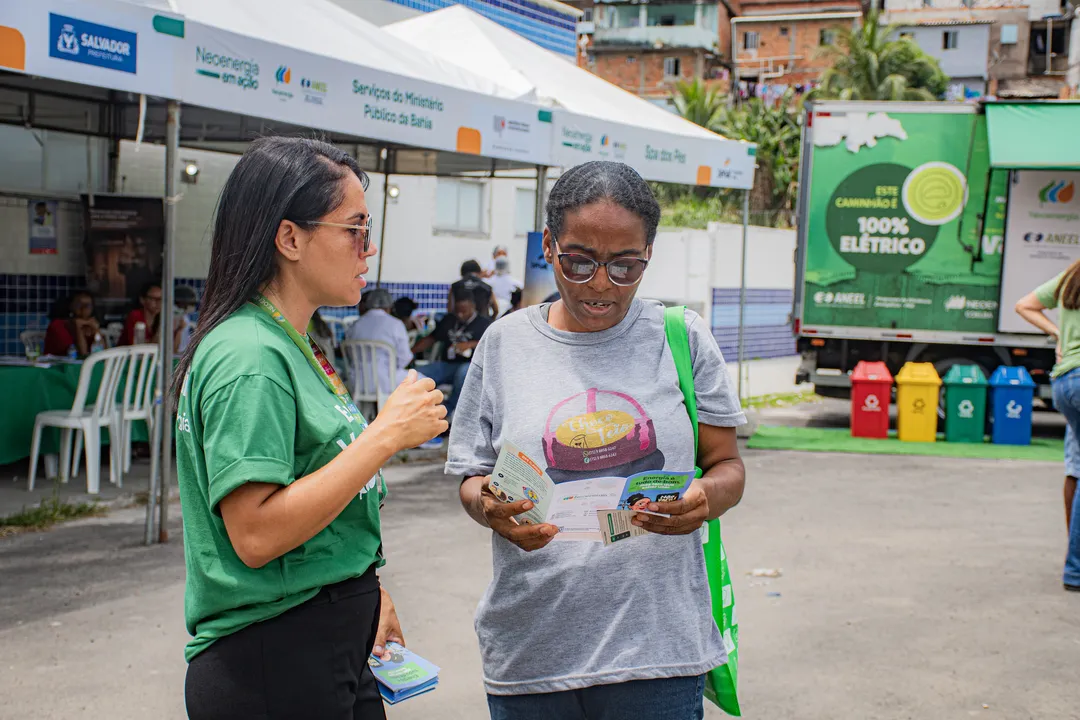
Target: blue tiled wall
x=767, y=330
x=25, y=301
x=544, y=26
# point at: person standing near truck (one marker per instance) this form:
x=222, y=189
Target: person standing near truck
x=1063, y=292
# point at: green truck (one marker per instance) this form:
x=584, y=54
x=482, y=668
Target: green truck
x=921, y=224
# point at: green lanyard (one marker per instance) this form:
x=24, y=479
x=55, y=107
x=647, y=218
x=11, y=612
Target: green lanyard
x=315, y=357
x=322, y=367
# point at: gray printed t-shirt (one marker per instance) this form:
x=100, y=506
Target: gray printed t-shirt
x=578, y=614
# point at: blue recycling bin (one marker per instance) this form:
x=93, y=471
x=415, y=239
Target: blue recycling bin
x=1011, y=394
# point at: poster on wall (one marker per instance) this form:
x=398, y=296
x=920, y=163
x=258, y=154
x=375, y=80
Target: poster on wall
x=1042, y=236
x=124, y=239
x=539, y=275
x=904, y=223
x=42, y=226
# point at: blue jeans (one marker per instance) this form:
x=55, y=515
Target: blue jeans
x=448, y=373
x=1067, y=402
x=677, y=698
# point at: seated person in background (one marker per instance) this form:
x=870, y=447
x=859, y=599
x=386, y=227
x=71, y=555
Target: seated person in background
x=459, y=334
x=74, y=326
x=378, y=324
x=503, y=285
x=402, y=309
x=148, y=313
x=482, y=293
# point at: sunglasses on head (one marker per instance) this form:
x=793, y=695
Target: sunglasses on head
x=358, y=232
x=578, y=268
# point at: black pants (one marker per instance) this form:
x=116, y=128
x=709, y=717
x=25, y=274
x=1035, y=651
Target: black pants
x=309, y=663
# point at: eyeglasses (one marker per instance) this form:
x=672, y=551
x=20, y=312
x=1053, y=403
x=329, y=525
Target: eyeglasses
x=580, y=269
x=357, y=231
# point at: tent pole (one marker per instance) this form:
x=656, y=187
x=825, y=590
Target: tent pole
x=541, y=188
x=742, y=287
x=387, y=164
x=172, y=149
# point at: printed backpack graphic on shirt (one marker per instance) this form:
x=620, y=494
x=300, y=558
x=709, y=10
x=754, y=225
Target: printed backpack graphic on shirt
x=599, y=432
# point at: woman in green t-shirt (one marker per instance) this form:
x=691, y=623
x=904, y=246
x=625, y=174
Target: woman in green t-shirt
x=279, y=472
x=1063, y=292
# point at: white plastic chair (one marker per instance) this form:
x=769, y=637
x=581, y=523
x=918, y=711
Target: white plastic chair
x=362, y=358
x=335, y=326
x=138, y=400
x=348, y=320
x=33, y=340
x=112, y=333
x=87, y=419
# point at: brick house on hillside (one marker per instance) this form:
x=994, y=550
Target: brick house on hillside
x=645, y=46
x=778, y=43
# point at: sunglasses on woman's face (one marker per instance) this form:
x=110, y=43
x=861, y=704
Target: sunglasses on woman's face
x=360, y=233
x=580, y=269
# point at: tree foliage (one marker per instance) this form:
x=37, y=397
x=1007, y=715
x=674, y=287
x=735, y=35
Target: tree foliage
x=697, y=102
x=868, y=65
x=775, y=131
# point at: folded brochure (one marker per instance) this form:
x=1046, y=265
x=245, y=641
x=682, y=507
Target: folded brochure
x=404, y=675
x=599, y=508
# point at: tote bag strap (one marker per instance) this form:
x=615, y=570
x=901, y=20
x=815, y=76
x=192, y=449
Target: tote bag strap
x=721, y=682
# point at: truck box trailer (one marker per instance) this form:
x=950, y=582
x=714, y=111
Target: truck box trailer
x=919, y=227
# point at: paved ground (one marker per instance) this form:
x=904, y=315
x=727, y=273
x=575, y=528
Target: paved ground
x=911, y=588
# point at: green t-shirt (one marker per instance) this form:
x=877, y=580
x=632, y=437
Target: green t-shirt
x=253, y=408
x=1068, y=327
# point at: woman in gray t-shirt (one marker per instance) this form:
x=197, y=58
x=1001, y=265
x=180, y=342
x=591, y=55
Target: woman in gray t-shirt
x=587, y=385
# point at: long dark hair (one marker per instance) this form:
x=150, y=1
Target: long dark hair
x=1068, y=290
x=278, y=178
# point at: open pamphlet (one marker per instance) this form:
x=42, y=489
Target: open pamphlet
x=404, y=675
x=596, y=509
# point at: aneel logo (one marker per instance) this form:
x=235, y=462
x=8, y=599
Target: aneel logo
x=1053, y=238
x=1057, y=192
x=314, y=90
x=848, y=299
x=88, y=43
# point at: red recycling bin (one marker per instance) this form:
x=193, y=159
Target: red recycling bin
x=871, y=392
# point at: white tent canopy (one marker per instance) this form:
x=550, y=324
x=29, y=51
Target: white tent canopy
x=323, y=28
x=299, y=63
x=593, y=118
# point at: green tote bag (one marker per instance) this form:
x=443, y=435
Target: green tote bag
x=720, y=682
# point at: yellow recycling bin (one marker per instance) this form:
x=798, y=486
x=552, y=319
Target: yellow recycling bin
x=917, y=388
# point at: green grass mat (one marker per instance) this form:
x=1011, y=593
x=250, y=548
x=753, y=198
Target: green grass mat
x=770, y=437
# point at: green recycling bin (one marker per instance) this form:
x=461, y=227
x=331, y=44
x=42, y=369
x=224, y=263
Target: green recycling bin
x=965, y=404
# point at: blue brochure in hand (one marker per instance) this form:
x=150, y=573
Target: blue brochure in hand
x=404, y=675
